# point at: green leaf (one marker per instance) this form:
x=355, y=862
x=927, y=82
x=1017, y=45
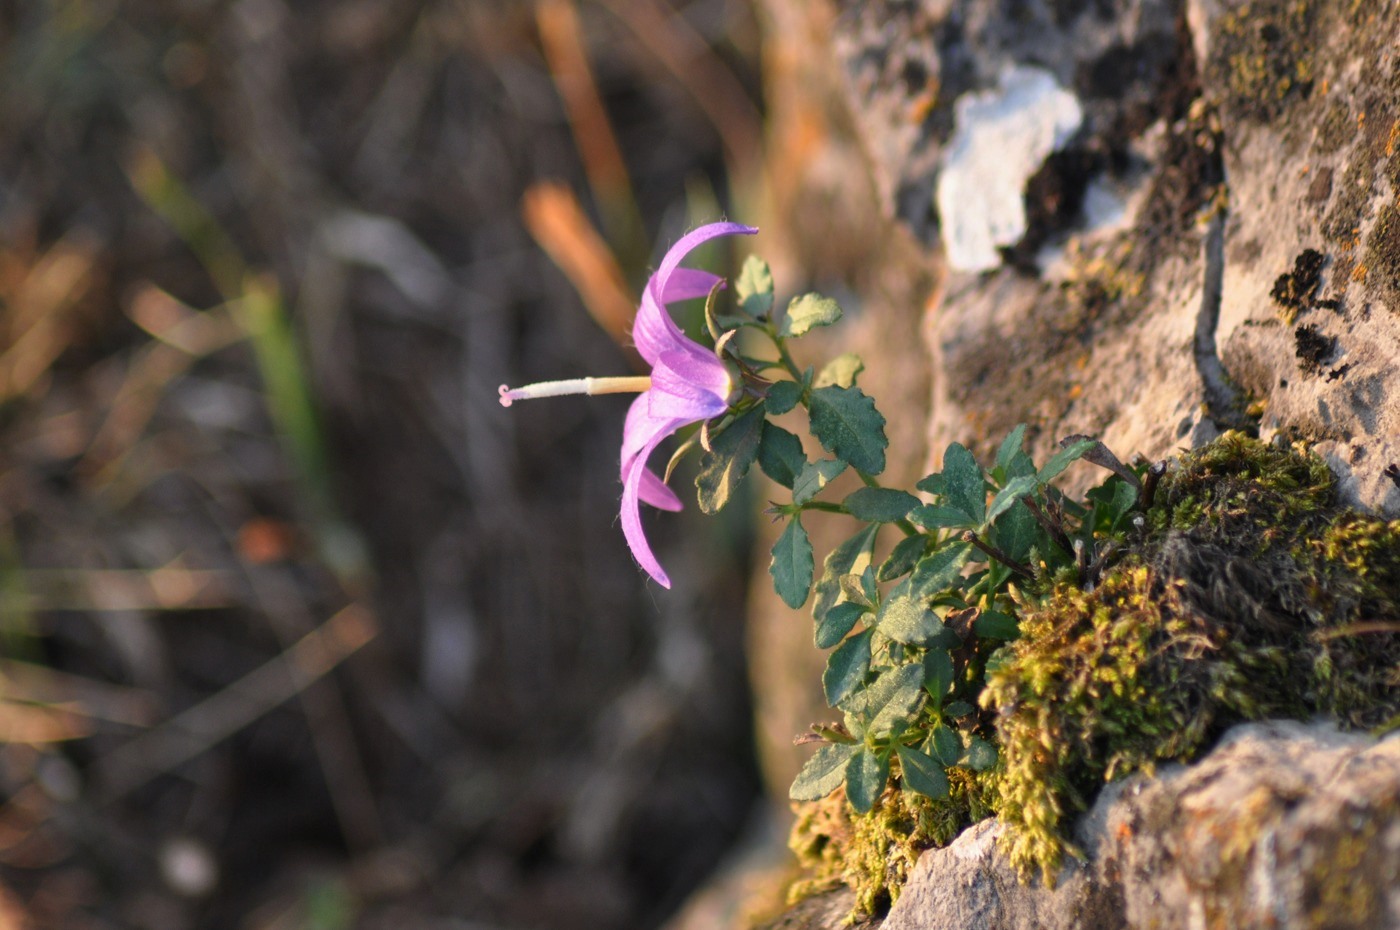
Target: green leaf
x=823, y=773
x=1115, y=498
x=966, y=487
x=840, y=371
x=938, y=571
x=731, y=453
x=854, y=592
x=783, y=396
x=938, y=673
x=1010, y=446
x=946, y=745
x=813, y=477
x=937, y=517
x=847, y=667
x=991, y=624
x=933, y=484
x=922, y=773
x=809, y=311
x=981, y=755
x=893, y=698
x=792, y=564
x=1015, y=489
x=1064, y=458
x=837, y=622
x=958, y=709
x=903, y=558
x=851, y=557
x=906, y=620
x=754, y=287
x=866, y=776
x=1016, y=532
x=847, y=424
x=780, y=455
x=879, y=505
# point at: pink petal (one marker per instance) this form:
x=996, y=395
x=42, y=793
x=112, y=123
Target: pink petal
x=631, y=512
x=688, y=387
x=653, y=331
x=654, y=491
x=689, y=283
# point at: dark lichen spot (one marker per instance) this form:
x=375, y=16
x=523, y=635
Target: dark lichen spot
x=1266, y=56
x=1321, y=187
x=1296, y=290
x=1312, y=348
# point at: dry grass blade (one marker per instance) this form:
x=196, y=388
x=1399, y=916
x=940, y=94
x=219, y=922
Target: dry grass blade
x=559, y=225
x=183, y=336
x=170, y=587
x=221, y=715
x=38, y=313
x=561, y=36
x=89, y=697
x=31, y=724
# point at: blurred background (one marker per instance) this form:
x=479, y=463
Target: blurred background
x=298, y=627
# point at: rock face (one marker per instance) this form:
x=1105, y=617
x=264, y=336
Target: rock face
x=1283, y=825
x=1217, y=245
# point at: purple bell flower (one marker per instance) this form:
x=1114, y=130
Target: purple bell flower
x=688, y=384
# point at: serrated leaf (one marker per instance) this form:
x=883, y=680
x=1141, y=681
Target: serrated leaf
x=851, y=557
x=846, y=423
x=1010, y=446
x=791, y=566
x=780, y=455
x=922, y=773
x=981, y=755
x=903, y=557
x=809, y=311
x=840, y=371
x=813, y=477
x=837, y=622
x=946, y=745
x=992, y=624
x=966, y=487
x=731, y=453
x=879, y=505
x=906, y=620
x=866, y=776
x=938, y=674
x=754, y=287
x=847, y=667
x=1115, y=498
x=1064, y=458
x=938, y=517
x=893, y=698
x=823, y=773
x=1016, y=532
x=939, y=570
x=933, y=484
x=783, y=396
x=1014, y=490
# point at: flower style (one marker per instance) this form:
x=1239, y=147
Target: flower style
x=688, y=383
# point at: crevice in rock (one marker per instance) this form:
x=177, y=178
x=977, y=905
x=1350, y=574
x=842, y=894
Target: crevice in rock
x=1225, y=403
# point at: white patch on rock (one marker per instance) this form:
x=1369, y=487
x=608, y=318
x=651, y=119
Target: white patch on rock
x=1002, y=137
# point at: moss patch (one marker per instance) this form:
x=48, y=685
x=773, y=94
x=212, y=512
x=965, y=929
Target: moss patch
x=1247, y=593
x=1250, y=594
x=1267, y=55
x=874, y=853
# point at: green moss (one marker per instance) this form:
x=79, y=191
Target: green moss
x=1248, y=593
x=1251, y=594
x=874, y=853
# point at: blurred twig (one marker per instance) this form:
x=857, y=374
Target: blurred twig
x=38, y=311
x=221, y=715
x=708, y=80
